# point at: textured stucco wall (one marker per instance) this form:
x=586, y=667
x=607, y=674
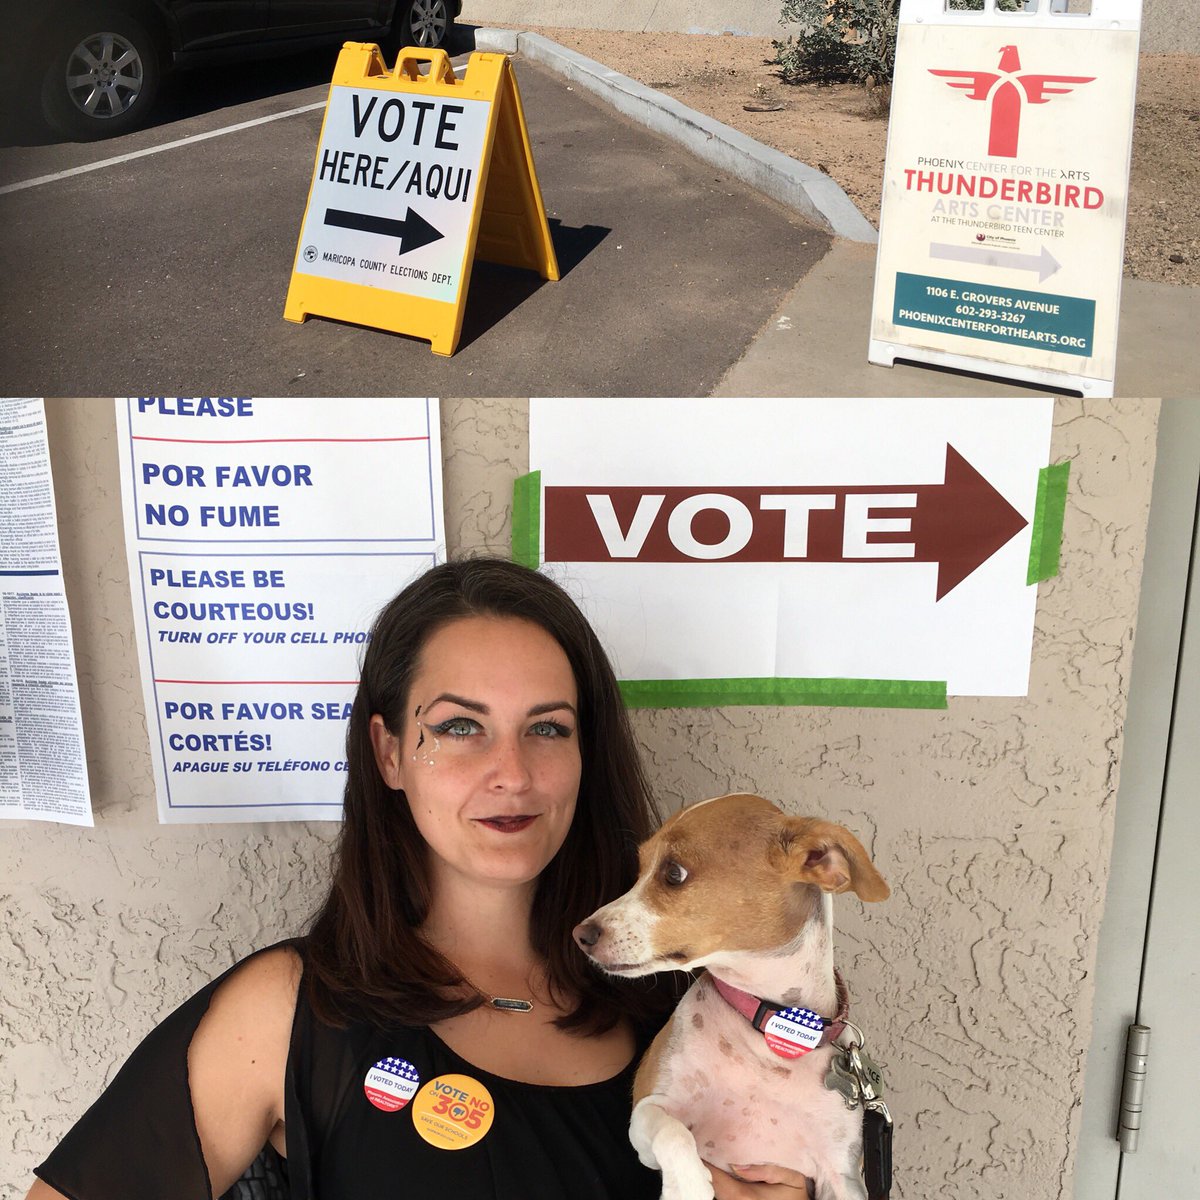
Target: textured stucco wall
x=1168, y=26
x=992, y=821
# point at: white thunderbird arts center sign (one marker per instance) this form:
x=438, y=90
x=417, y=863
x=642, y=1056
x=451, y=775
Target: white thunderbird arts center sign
x=719, y=542
x=1005, y=192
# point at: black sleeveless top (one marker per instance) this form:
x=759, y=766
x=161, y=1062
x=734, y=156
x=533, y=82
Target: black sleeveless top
x=370, y=1114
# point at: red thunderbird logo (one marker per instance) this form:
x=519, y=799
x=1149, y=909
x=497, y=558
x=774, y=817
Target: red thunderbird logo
x=1006, y=96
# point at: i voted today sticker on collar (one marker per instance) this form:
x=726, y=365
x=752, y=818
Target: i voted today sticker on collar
x=391, y=1083
x=792, y=1032
x=453, y=1112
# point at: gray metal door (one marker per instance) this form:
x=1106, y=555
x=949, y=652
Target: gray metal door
x=1148, y=970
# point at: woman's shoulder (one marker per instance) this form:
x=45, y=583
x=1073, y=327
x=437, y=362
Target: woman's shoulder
x=251, y=1009
x=260, y=990
x=266, y=972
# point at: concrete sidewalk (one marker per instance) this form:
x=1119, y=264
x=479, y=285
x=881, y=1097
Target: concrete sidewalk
x=816, y=343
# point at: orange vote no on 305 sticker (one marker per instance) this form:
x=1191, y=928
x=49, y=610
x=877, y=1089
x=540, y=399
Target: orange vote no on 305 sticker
x=452, y=1112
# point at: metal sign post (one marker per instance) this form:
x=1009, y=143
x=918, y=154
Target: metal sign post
x=1006, y=187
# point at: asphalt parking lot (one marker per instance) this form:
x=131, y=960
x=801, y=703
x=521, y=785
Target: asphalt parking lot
x=164, y=270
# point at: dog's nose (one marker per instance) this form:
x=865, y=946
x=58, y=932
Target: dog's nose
x=587, y=934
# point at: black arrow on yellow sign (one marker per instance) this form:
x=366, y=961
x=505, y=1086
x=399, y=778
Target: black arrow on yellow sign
x=414, y=231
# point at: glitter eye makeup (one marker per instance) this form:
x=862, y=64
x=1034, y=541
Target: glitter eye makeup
x=426, y=751
x=421, y=751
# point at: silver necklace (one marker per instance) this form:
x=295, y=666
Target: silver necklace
x=502, y=1003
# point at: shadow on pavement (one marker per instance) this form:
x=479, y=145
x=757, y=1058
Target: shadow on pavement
x=959, y=373
x=572, y=246
x=494, y=293
x=497, y=291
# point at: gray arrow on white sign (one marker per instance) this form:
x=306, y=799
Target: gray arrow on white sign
x=1045, y=264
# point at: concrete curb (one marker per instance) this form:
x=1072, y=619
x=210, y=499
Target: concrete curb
x=793, y=183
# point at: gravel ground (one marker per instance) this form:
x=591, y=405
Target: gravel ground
x=843, y=130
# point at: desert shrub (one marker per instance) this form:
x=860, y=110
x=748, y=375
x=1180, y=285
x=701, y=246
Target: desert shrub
x=838, y=41
x=846, y=41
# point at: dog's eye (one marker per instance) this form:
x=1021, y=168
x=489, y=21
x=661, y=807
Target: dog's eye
x=673, y=874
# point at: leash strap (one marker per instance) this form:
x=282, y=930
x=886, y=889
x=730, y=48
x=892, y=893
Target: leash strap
x=877, y=1154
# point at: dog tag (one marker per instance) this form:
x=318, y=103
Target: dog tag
x=871, y=1075
x=792, y=1032
x=877, y=1150
x=841, y=1079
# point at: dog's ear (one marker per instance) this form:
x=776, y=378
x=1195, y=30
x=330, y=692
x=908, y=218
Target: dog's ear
x=831, y=857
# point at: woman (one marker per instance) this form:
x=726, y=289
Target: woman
x=437, y=1026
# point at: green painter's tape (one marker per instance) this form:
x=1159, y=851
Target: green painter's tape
x=1046, y=546
x=527, y=520
x=840, y=693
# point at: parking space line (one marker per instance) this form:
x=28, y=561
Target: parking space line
x=124, y=158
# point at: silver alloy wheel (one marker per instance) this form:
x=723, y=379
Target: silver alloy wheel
x=428, y=19
x=104, y=75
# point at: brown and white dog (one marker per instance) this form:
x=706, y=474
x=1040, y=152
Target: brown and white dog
x=737, y=887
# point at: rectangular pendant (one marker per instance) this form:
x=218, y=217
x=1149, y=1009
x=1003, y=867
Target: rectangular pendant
x=505, y=1004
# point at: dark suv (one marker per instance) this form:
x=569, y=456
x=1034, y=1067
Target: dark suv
x=94, y=66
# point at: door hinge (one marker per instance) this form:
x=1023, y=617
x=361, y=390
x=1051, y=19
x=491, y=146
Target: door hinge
x=1137, y=1051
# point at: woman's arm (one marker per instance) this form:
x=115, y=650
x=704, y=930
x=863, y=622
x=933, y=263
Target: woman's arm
x=236, y=1062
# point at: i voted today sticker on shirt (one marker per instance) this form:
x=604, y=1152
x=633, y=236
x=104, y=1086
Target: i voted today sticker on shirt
x=792, y=1032
x=453, y=1112
x=391, y=1083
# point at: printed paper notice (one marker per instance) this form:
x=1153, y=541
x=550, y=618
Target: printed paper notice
x=263, y=537
x=43, y=771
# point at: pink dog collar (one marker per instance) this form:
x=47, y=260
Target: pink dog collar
x=790, y=1031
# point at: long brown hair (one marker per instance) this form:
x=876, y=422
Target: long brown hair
x=366, y=960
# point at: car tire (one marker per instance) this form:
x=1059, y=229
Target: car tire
x=424, y=23
x=103, y=77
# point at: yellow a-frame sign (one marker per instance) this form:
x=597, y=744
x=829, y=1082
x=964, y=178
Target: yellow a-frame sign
x=415, y=175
